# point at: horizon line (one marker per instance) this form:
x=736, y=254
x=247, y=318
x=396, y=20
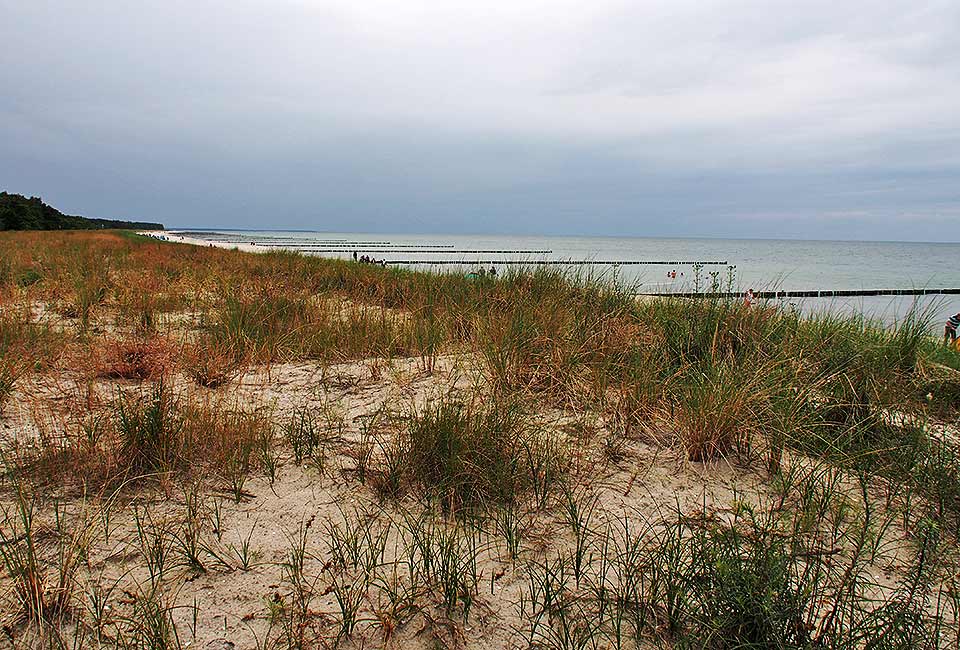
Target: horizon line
x=556, y=236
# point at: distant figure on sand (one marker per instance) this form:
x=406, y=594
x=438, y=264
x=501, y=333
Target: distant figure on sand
x=950, y=329
x=748, y=297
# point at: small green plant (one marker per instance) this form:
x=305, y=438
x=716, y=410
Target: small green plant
x=8, y=377
x=349, y=595
x=305, y=436
x=510, y=526
x=187, y=539
x=579, y=510
x=294, y=611
x=28, y=278
x=359, y=542
x=428, y=336
x=149, y=429
x=244, y=552
x=268, y=456
x=91, y=282
x=718, y=410
x=543, y=603
x=212, y=364
x=156, y=545
x=98, y=597
x=237, y=465
x=39, y=600
x=151, y=623
x=365, y=447
x=544, y=458
x=443, y=558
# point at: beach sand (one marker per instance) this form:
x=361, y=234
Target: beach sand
x=249, y=558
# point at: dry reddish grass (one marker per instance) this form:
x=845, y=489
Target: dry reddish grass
x=136, y=358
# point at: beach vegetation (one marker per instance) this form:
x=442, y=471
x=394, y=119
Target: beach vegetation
x=467, y=455
x=362, y=456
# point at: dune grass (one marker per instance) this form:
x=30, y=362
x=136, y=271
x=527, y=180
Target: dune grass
x=467, y=456
x=474, y=491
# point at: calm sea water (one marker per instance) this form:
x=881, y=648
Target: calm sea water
x=757, y=264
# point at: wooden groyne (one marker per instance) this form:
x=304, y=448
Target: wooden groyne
x=299, y=243
x=246, y=239
x=358, y=246
x=400, y=249
x=808, y=293
x=563, y=262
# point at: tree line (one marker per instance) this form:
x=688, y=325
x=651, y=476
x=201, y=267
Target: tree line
x=18, y=212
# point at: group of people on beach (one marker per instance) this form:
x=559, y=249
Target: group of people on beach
x=481, y=273
x=366, y=259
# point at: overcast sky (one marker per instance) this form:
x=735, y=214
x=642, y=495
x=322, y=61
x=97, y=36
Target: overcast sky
x=814, y=119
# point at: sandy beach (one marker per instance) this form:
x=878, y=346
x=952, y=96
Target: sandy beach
x=209, y=449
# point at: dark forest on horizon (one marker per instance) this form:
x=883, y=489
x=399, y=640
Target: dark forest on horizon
x=18, y=212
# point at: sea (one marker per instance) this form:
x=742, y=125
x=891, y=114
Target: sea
x=654, y=265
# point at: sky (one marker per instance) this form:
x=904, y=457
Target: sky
x=746, y=118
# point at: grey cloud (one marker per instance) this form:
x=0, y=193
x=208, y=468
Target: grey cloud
x=679, y=118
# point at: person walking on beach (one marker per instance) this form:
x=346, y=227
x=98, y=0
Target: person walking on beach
x=950, y=329
x=748, y=298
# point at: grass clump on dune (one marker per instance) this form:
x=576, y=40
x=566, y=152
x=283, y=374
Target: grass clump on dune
x=149, y=430
x=466, y=455
x=279, y=327
x=154, y=433
x=717, y=411
x=159, y=432
x=25, y=346
x=44, y=583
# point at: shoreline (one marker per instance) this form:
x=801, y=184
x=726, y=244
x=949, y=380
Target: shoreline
x=889, y=309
